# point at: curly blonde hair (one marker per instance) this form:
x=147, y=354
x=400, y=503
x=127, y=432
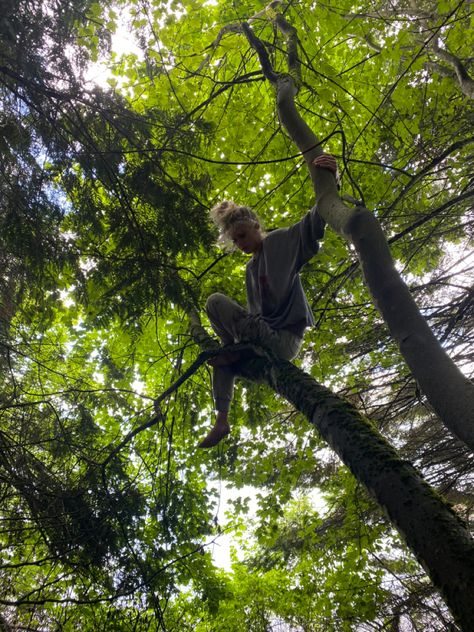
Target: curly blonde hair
x=227, y=214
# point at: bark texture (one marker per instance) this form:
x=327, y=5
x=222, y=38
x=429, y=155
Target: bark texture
x=449, y=392
x=438, y=538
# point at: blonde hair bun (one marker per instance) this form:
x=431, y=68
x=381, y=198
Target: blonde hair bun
x=227, y=213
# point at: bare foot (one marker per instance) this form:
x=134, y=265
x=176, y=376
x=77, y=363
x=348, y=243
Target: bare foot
x=217, y=433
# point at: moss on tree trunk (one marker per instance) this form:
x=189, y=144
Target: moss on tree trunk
x=435, y=534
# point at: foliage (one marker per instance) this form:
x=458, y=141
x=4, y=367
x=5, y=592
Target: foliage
x=105, y=245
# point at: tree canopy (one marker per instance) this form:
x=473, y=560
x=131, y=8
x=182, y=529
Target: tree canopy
x=109, y=513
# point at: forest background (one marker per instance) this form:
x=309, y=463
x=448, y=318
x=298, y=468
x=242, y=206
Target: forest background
x=106, y=250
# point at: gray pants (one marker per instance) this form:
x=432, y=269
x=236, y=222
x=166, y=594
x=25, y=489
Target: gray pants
x=233, y=324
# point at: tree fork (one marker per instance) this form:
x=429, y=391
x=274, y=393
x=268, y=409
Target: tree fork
x=450, y=393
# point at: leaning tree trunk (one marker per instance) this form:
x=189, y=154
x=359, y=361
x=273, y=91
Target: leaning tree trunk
x=437, y=537
x=434, y=533
x=449, y=392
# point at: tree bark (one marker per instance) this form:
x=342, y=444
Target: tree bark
x=450, y=393
x=440, y=541
x=438, y=538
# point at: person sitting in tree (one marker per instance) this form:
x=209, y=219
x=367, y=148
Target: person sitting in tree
x=278, y=310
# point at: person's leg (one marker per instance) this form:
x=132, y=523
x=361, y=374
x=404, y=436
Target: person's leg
x=219, y=430
x=233, y=323
x=223, y=390
x=224, y=315
x=282, y=343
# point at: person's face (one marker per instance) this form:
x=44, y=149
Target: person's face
x=247, y=237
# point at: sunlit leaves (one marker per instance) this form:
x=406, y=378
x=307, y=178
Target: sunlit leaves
x=106, y=243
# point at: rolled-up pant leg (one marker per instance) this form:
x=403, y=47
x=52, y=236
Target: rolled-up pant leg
x=233, y=324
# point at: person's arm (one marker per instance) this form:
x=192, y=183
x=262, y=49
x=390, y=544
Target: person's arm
x=301, y=240
x=310, y=230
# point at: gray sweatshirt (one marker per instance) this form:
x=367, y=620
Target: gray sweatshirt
x=274, y=289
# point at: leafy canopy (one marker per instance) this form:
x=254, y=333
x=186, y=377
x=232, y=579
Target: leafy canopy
x=105, y=247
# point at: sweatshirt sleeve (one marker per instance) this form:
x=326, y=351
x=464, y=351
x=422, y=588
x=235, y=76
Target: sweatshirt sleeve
x=304, y=236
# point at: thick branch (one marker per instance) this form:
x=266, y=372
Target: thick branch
x=440, y=541
x=324, y=183
x=466, y=83
x=262, y=53
x=448, y=391
x=291, y=34
x=330, y=206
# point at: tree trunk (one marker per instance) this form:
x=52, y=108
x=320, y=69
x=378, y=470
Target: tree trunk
x=437, y=537
x=449, y=392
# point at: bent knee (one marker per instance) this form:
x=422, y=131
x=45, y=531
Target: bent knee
x=215, y=301
x=219, y=305
x=215, y=298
